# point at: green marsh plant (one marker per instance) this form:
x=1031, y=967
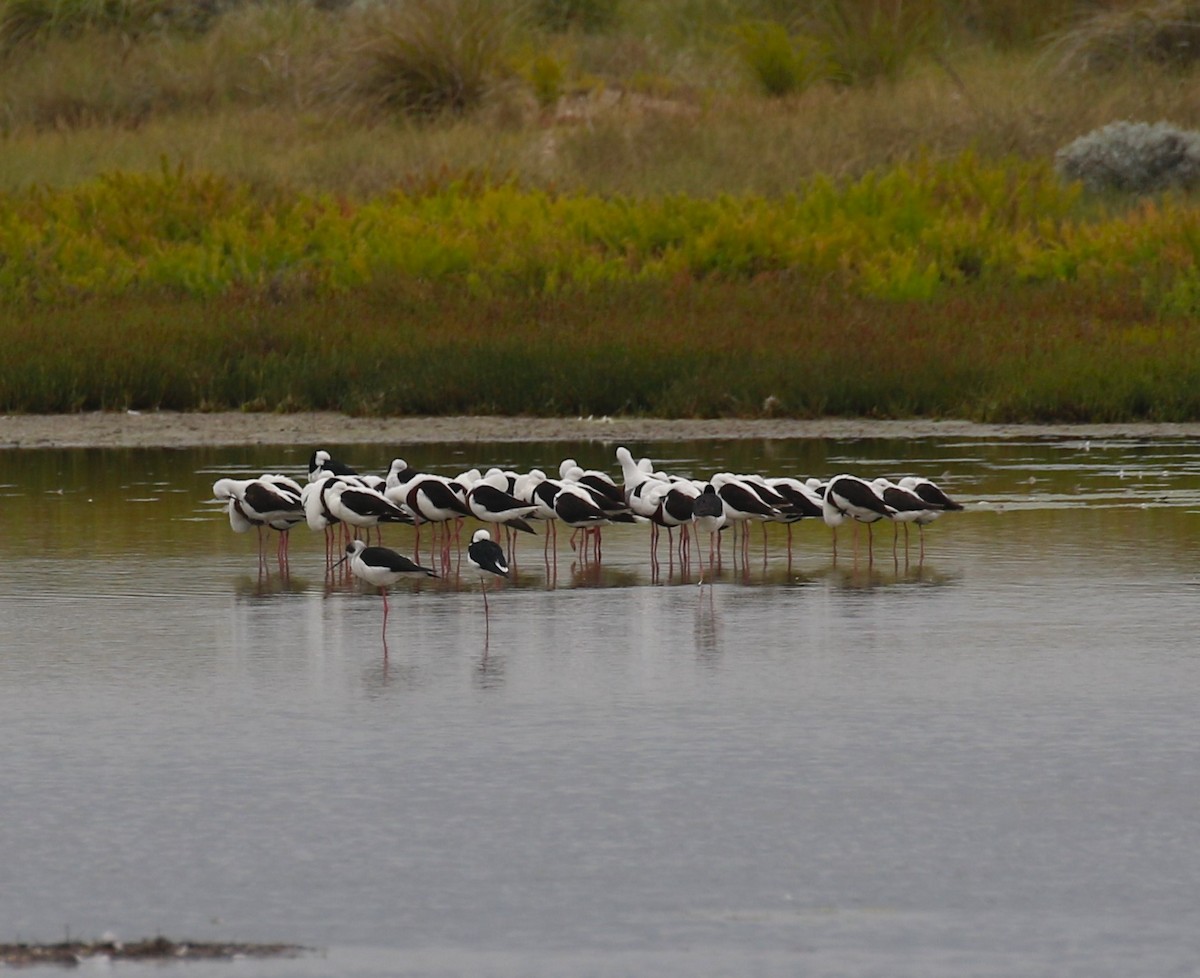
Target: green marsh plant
x=780, y=62
x=873, y=40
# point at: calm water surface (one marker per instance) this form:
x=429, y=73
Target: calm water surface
x=979, y=763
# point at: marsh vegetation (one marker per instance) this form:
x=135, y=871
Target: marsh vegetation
x=681, y=207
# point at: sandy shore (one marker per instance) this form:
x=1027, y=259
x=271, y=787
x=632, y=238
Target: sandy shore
x=163, y=429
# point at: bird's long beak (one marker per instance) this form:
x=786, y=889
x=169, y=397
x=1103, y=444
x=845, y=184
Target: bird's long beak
x=342, y=561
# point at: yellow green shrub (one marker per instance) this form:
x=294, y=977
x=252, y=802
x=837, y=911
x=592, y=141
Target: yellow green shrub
x=905, y=234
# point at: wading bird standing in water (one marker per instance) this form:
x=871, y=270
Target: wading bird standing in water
x=486, y=556
x=382, y=568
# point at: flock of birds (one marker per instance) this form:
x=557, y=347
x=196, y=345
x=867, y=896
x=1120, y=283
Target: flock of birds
x=337, y=498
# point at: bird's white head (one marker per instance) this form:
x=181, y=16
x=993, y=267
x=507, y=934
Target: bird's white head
x=480, y=535
x=393, y=474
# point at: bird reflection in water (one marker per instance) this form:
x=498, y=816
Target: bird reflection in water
x=706, y=627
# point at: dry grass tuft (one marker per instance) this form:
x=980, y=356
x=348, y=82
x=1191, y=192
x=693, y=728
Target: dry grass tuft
x=431, y=57
x=1159, y=32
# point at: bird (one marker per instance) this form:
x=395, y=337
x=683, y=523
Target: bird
x=322, y=463
x=275, y=499
x=539, y=491
x=801, y=502
x=598, y=482
x=908, y=506
x=486, y=556
x=931, y=492
x=849, y=497
x=663, y=501
x=745, y=501
x=271, y=500
x=430, y=499
x=318, y=514
x=582, y=509
x=708, y=514
x=382, y=568
x=490, y=503
x=230, y=491
x=361, y=506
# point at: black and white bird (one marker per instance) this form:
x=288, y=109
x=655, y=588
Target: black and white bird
x=381, y=567
x=801, y=502
x=937, y=499
x=708, y=514
x=658, y=498
x=430, y=499
x=931, y=492
x=321, y=464
x=360, y=506
x=539, y=491
x=745, y=502
x=582, y=508
x=597, y=482
x=490, y=502
x=487, y=557
x=271, y=501
x=849, y=497
x=318, y=515
x=908, y=506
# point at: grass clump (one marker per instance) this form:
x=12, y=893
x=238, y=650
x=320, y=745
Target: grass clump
x=873, y=40
x=1161, y=32
x=430, y=57
x=32, y=22
x=780, y=62
x=584, y=15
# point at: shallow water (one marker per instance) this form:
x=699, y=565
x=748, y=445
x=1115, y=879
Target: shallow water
x=980, y=763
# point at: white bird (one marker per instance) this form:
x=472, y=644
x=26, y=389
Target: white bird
x=593, y=479
x=381, y=567
x=708, y=513
x=932, y=494
x=230, y=492
x=490, y=501
x=360, y=506
x=535, y=488
x=429, y=498
x=486, y=556
x=744, y=502
x=908, y=506
x=849, y=497
x=801, y=502
x=317, y=512
x=322, y=464
x=270, y=500
x=583, y=509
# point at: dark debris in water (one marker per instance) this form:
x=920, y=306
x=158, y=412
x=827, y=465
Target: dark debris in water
x=157, y=949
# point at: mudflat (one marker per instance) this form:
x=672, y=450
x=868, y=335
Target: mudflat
x=170, y=429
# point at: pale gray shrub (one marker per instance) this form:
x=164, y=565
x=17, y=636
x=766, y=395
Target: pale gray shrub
x=1135, y=157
